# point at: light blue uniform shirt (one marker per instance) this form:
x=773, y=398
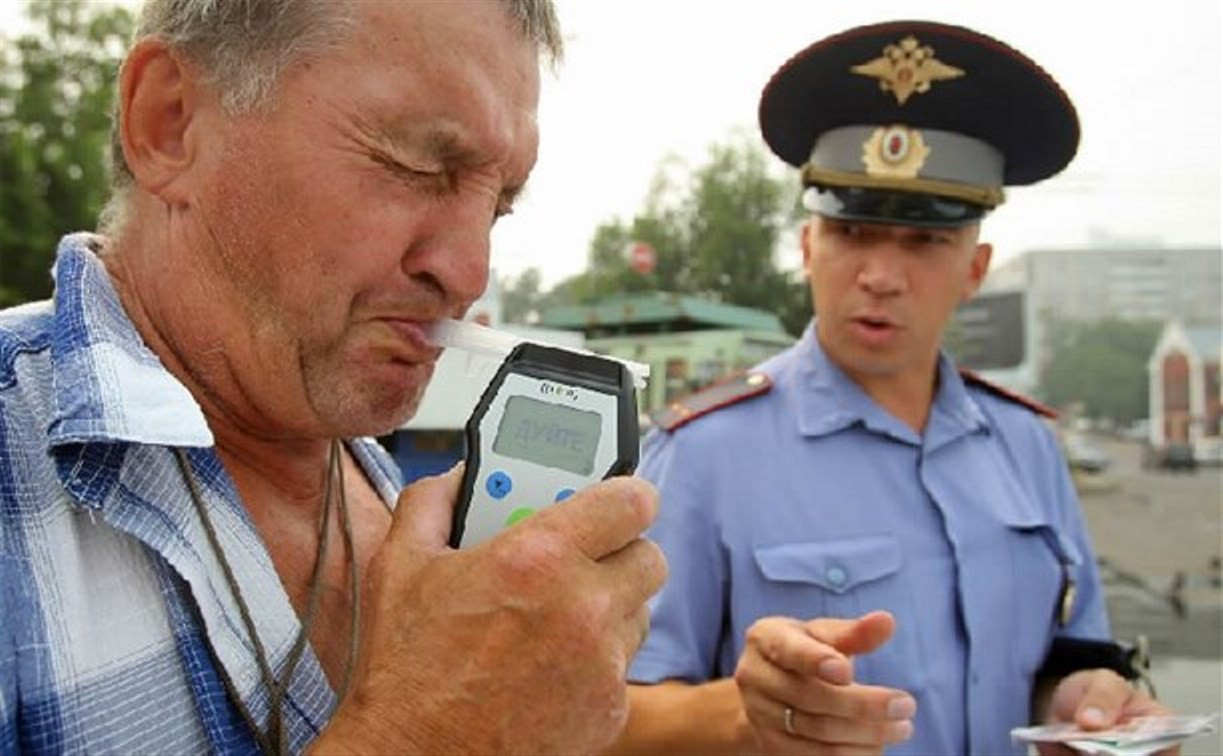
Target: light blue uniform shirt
x=812, y=501
x=115, y=618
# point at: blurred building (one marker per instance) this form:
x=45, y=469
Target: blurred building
x=688, y=342
x=1186, y=394
x=1133, y=284
x=1086, y=285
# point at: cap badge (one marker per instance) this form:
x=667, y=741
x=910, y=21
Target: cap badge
x=907, y=67
x=894, y=152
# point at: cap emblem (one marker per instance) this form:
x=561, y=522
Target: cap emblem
x=907, y=67
x=894, y=152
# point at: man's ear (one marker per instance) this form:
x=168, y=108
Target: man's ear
x=977, y=270
x=159, y=101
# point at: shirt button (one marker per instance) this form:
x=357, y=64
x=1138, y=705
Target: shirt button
x=836, y=576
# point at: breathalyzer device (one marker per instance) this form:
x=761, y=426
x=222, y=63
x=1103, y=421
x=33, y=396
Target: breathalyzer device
x=550, y=422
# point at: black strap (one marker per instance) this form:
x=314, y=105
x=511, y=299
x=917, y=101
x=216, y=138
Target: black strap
x=1068, y=655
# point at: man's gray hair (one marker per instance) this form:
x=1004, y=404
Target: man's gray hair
x=243, y=46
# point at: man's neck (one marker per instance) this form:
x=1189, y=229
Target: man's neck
x=261, y=455
x=288, y=470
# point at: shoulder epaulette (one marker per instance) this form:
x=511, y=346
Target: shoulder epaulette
x=1026, y=401
x=719, y=395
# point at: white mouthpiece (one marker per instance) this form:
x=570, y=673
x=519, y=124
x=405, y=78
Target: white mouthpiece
x=475, y=338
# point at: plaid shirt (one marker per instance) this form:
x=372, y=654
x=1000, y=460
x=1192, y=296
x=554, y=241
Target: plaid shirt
x=114, y=613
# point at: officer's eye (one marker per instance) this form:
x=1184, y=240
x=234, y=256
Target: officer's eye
x=849, y=230
x=930, y=238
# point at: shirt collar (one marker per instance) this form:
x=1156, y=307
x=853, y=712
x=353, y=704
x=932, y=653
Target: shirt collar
x=955, y=412
x=109, y=386
x=831, y=401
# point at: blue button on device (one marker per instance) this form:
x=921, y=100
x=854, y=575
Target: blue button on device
x=498, y=485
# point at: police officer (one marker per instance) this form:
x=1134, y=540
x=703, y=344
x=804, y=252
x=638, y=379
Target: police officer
x=879, y=549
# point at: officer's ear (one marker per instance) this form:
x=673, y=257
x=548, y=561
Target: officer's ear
x=807, y=241
x=977, y=270
x=160, y=101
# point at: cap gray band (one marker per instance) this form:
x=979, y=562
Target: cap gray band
x=927, y=160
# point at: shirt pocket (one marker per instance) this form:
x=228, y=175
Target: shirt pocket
x=842, y=577
x=837, y=566
x=1044, y=578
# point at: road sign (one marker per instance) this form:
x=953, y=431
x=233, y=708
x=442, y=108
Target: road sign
x=641, y=257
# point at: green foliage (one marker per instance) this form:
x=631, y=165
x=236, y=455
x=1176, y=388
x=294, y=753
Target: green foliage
x=714, y=233
x=519, y=296
x=56, y=87
x=1100, y=366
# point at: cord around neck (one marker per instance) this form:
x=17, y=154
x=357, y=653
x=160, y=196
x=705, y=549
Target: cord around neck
x=273, y=740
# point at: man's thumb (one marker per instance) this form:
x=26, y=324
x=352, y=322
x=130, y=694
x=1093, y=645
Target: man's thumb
x=424, y=514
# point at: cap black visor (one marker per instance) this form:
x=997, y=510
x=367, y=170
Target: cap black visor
x=893, y=207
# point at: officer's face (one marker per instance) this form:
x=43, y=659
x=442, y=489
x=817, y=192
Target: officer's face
x=883, y=293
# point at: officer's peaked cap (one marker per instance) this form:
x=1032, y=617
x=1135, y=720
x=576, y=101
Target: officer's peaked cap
x=916, y=121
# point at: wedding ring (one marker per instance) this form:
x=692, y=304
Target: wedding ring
x=788, y=720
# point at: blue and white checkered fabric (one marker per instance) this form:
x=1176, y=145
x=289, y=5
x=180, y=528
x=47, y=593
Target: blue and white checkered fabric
x=113, y=611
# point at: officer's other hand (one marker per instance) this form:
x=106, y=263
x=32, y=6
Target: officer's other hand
x=518, y=644
x=808, y=668
x=1096, y=699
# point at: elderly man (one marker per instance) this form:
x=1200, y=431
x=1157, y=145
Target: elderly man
x=200, y=547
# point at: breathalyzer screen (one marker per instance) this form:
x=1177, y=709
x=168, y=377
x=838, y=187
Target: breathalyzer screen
x=548, y=434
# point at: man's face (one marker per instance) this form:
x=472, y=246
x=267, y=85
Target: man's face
x=359, y=209
x=883, y=294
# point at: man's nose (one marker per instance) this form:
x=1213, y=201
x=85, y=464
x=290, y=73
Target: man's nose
x=454, y=248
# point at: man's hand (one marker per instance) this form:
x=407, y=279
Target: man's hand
x=806, y=667
x=519, y=644
x=1096, y=699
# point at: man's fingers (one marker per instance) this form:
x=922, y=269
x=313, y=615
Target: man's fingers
x=424, y=513
x=603, y=518
x=635, y=572
x=598, y=520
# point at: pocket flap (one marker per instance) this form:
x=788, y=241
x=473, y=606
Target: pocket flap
x=1065, y=549
x=836, y=565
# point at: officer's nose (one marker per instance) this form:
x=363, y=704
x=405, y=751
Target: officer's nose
x=882, y=271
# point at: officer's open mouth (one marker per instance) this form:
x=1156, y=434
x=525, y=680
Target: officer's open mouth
x=875, y=324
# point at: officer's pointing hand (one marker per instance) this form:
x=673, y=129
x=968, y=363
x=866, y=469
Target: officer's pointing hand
x=797, y=683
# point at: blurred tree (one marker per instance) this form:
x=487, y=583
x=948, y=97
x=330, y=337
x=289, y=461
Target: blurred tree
x=520, y=296
x=715, y=233
x=1101, y=365
x=56, y=87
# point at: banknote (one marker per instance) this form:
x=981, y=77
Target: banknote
x=1134, y=737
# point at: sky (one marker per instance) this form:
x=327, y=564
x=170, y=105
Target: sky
x=646, y=79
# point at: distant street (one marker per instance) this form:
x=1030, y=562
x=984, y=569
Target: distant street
x=1159, y=538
